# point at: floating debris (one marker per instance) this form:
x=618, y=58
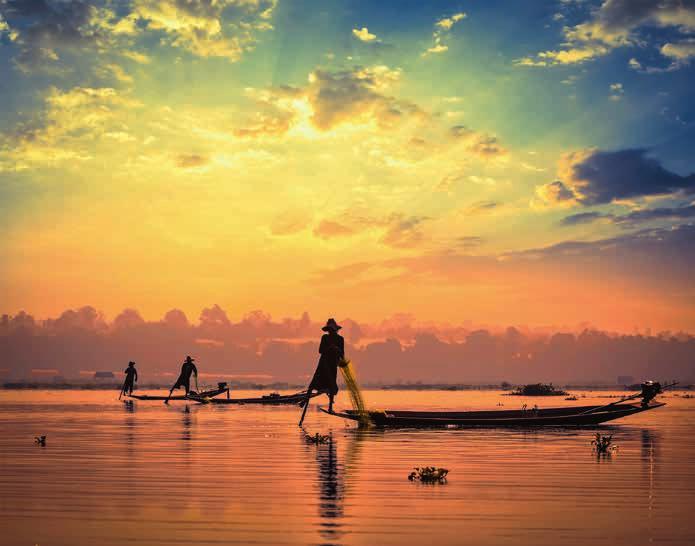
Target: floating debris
x=429, y=474
x=317, y=438
x=603, y=445
x=40, y=440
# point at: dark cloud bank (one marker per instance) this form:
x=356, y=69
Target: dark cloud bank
x=258, y=349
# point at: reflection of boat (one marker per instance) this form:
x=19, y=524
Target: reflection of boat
x=272, y=399
x=554, y=417
x=192, y=395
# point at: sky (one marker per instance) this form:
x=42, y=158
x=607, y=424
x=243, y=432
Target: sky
x=496, y=162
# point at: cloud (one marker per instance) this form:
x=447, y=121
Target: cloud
x=44, y=30
x=404, y=231
x=648, y=244
x=397, y=230
x=289, y=223
x=616, y=91
x=359, y=96
x=442, y=28
x=616, y=23
x=446, y=23
x=68, y=127
x=661, y=213
x=555, y=192
x=584, y=218
x=223, y=28
x=137, y=56
x=480, y=207
x=469, y=241
x=191, y=161
x=594, y=177
x=363, y=35
x=329, y=229
x=480, y=144
x=437, y=48
x=42, y=27
x=681, y=53
x=634, y=218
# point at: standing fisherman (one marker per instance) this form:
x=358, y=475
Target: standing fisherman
x=131, y=376
x=332, y=350
x=184, y=379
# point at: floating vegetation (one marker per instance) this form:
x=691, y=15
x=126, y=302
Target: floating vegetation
x=428, y=474
x=348, y=373
x=603, y=445
x=538, y=389
x=317, y=438
x=40, y=440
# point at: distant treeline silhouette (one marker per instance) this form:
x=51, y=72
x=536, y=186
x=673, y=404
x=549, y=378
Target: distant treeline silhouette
x=257, y=348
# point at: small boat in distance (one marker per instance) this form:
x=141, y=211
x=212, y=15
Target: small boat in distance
x=221, y=389
x=272, y=399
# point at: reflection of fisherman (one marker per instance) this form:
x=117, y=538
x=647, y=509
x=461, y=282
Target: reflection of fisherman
x=184, y=379
x=332, y=490
x=332, y=350
x=131, y=376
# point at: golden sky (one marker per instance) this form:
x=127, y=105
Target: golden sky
x=453, y=161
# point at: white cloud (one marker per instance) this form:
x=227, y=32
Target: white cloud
x=363, y=34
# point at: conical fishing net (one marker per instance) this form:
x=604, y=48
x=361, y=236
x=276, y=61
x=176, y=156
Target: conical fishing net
x=355, y=394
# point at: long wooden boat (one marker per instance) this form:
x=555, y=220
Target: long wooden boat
x=272, y=399
x=192, y=395
x=551, y=417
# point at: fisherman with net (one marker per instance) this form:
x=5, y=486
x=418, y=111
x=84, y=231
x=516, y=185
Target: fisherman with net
x=332, y=350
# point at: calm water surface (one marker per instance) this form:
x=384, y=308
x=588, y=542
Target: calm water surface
x=145, y=473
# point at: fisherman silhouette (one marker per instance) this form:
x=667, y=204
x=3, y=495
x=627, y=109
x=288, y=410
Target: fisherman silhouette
x=184, y=379
x=332, y=350
x=131, y=376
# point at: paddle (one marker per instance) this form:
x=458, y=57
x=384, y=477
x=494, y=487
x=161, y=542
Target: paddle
x=306, y=405
x=625, y=399
x=122, y=389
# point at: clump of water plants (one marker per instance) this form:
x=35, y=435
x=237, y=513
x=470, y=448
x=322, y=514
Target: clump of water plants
x=428, y=474
x=317, y=438
x=538, y=389
x=603, y=445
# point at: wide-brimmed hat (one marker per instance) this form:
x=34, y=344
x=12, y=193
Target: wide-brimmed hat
x=331, y=324
x=189, y=359
x=131, y=363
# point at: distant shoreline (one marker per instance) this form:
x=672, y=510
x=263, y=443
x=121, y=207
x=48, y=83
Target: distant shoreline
x=19, y=385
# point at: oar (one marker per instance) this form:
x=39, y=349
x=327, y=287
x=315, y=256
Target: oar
x=122, y=389
x=306, y=405
x=631, y=397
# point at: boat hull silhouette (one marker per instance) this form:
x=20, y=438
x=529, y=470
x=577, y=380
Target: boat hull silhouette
x=551, y=417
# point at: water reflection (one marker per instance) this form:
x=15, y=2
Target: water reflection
x=130, y=428
x=187, y=422
x=331, y=491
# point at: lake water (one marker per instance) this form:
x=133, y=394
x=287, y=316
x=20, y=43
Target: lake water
x=145, y=473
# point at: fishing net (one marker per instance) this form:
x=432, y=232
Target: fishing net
x=348, y=373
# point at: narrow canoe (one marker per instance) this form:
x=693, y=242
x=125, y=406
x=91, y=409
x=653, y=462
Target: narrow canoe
x=191, y=396
x=268, y=399
x=551, y=417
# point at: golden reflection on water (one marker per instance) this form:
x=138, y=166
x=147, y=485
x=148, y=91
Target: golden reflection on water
x=144, y=473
